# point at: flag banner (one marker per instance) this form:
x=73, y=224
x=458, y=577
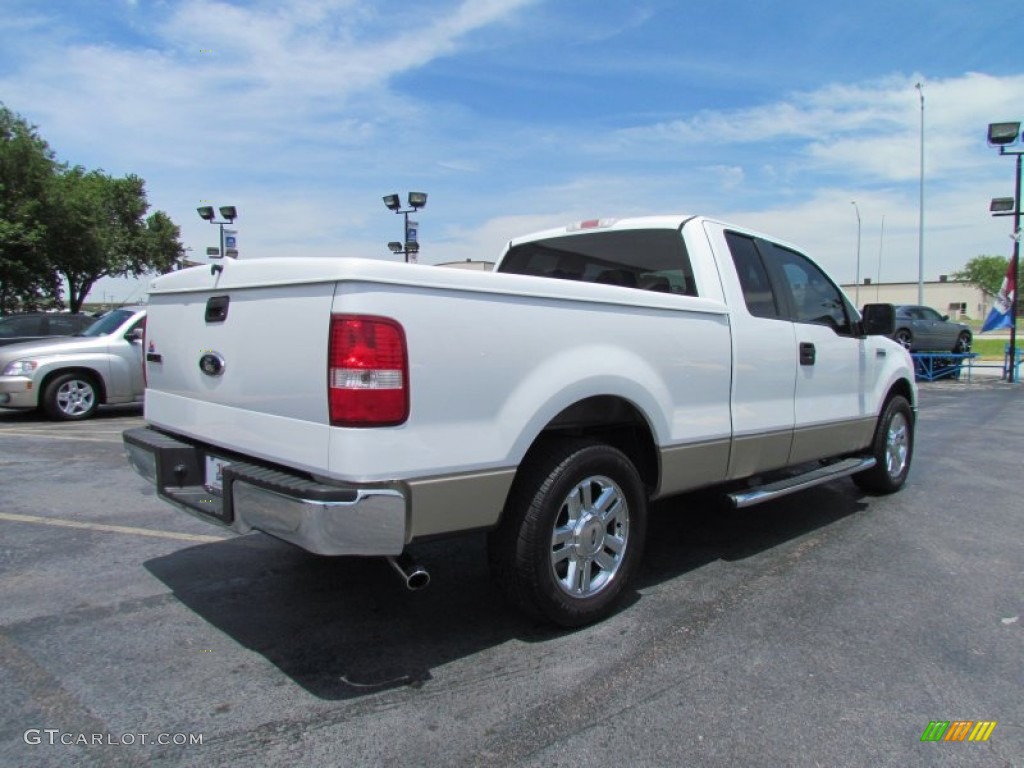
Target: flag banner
x=999, y=316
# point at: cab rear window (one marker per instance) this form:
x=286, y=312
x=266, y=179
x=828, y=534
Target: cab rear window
x=645, y=259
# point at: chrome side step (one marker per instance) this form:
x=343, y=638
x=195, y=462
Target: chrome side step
x=789, y=485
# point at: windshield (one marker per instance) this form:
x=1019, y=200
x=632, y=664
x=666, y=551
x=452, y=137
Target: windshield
x=107, y=324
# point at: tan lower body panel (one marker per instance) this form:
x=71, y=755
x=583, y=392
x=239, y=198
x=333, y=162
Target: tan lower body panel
x=752, y=454
x=454, y=503
x=685, y=467
x=825, y=440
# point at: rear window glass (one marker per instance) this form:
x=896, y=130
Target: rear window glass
x=647, y=259
x=21, y=326
x=757, y=289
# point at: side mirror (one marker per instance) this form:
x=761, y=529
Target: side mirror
x=945, y=318
x=879, y=319
x=137, y=335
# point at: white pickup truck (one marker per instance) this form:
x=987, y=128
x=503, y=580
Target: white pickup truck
x=354, y=407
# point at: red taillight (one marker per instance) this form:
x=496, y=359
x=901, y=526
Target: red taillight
x=368, y=372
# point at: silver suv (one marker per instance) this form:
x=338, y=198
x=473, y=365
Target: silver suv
x=70, y=377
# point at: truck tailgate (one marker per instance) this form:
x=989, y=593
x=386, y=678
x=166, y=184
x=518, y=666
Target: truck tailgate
x=245, y=367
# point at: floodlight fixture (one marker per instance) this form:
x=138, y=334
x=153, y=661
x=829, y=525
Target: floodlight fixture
x=394, y=204
x=228, y=213
x=1003, y=134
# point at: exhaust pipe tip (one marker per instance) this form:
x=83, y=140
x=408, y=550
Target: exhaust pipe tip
x=414, y=576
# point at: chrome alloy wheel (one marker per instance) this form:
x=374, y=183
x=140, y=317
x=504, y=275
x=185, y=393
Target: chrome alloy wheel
x=897, y=445
x=76, y=397
x=590, y=537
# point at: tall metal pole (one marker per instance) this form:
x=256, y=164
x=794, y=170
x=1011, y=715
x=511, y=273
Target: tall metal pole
x=1015, y=271
x=856, y=288
x=920, y=216
x=881, y=242
x=405, y=237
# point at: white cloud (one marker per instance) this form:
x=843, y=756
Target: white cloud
x=299, y=113
x=221, y=81
x=868, y=130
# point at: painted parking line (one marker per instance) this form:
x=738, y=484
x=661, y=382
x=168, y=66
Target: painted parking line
x=109, y=528
x=52, y=436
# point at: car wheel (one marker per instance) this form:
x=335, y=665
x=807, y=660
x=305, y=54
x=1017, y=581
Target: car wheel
x=71, y=397
x=963, y=343
x=572, y=532
x=892, y=447
x=904, y=337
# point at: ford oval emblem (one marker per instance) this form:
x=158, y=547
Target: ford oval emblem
x=212, y=364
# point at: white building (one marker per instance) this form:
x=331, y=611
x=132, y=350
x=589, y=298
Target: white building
x=955, y=298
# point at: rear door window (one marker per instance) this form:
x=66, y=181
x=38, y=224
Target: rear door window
x=21, y=326
x=757, y=289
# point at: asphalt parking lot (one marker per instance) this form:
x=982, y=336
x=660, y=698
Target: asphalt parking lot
x=825, y=629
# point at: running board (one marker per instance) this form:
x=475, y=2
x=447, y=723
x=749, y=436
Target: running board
x=800, y=482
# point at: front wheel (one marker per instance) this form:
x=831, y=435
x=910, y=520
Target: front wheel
x=892, y=447
x=905, y=338
x=572, y=532
x=963, y=343
x=71, y=397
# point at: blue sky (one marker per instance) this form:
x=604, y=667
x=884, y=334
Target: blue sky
x=516, y=115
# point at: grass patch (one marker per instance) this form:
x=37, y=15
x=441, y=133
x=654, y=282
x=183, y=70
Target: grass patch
x=989, y=348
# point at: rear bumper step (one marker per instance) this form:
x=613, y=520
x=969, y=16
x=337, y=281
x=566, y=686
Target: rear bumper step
x=800, y=482
x=323, y=519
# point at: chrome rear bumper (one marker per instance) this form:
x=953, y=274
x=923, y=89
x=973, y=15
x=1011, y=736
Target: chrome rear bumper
x=324, y=519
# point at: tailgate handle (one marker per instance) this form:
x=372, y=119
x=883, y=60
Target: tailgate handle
x=217, y=309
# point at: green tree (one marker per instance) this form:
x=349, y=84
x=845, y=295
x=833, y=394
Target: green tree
x=26, y=166
x=96, y=226
x=986, y=272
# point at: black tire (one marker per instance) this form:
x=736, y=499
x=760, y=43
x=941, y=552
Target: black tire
x=904, y=337
x=602, y=547
x=71, y=397
x=892, y=447
x=963, y=343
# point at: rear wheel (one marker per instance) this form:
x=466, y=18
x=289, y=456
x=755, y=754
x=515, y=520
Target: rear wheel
x=71, y=397
x=572, y=532
x=892, y=447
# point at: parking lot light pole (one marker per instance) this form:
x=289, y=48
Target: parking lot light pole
x=856, y=288
x=920, y=213
x=410, y=245
x=228, y=212
x=1003, y=135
